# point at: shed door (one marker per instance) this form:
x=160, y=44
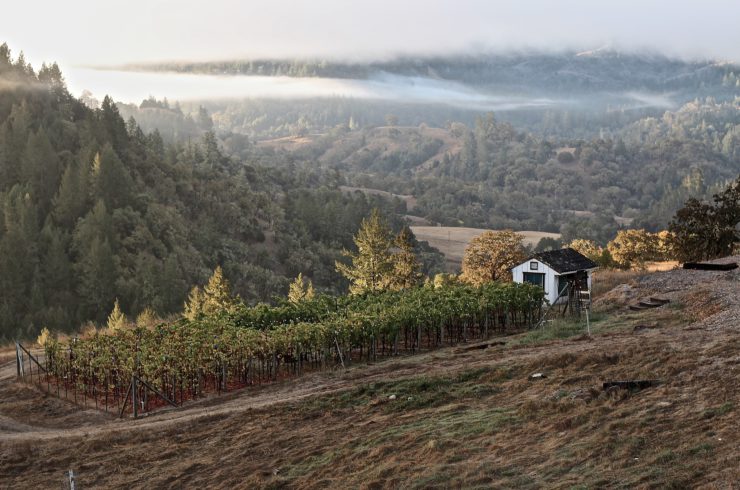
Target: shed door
x=563, y=283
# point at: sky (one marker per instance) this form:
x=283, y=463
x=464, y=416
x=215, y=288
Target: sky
x=111, y=32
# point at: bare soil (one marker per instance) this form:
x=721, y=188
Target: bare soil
x=454, y=417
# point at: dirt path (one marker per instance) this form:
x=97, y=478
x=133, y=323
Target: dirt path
x=434, y=363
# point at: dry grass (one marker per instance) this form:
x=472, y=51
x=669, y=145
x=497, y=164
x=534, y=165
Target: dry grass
x=482, y=426
x=458, y=418
x=452, y=241
x=665, y=265
x=604, y=280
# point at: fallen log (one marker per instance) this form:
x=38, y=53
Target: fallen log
x=703, y=266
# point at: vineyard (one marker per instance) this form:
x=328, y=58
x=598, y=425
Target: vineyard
x=179, y=361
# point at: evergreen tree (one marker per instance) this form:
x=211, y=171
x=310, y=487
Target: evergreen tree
x=112, y=182
x=217, y=294
x=113, y=126
x=18, y=256
x=194, y=304
x=372, y=266
x=300, y=290
x=70, y=202
x=116, y=320
x=97, y=274
x=41, y=170
x=406, y=266
x=15, y=134
x=57, y=278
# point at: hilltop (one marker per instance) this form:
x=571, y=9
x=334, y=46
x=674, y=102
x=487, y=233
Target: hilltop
x=564, y=72
x=456, y=416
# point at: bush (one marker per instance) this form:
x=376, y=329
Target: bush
x=566, y=157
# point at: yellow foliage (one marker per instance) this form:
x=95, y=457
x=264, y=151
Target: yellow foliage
x=589, y=248
x=43, y=337
x=301, y=290
x=116, y=319
x=490, y=256
x=633, y=248
x=147, y=318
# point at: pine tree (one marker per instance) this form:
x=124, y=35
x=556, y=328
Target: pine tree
x=116, y=320
x=406, y=265
x=113, y=125
x=14, y=140
x=172, y=286
x=97, y=277
x=41, y=169
x=194, y=305
x=71, y=200
x=112, y=182
x=217, y=294
x=301, y=290
x=18, y=254
x=372, y=266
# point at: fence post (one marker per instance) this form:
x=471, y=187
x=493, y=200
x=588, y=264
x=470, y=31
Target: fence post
x=70, y=479
x=18, y=359
x=134, y=400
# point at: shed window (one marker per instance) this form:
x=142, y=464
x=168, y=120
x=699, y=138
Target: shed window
x=533, y=266
x=537, y=278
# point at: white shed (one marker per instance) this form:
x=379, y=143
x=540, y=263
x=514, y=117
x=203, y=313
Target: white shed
x=554, y=270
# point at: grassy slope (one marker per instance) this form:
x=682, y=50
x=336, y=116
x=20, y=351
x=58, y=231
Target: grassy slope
x=460, y=417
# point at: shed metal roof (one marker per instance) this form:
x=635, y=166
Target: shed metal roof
x=564, y=260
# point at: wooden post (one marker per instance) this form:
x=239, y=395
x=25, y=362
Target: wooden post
x=19, y=360
x=125, y=401
x=341, y=359
x=134, y=397
x=71, y=479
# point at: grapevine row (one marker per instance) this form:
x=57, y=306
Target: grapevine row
x=188, y=358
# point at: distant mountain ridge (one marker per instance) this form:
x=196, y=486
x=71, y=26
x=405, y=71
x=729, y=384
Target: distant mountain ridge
x=572, y=72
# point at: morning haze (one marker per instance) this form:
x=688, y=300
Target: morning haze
x=369, y=244
x=83, y=32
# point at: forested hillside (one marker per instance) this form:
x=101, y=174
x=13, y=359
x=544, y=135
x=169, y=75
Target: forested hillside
x=564, y=72
x=92, y=209
x=494, y=175
x=102, y=200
